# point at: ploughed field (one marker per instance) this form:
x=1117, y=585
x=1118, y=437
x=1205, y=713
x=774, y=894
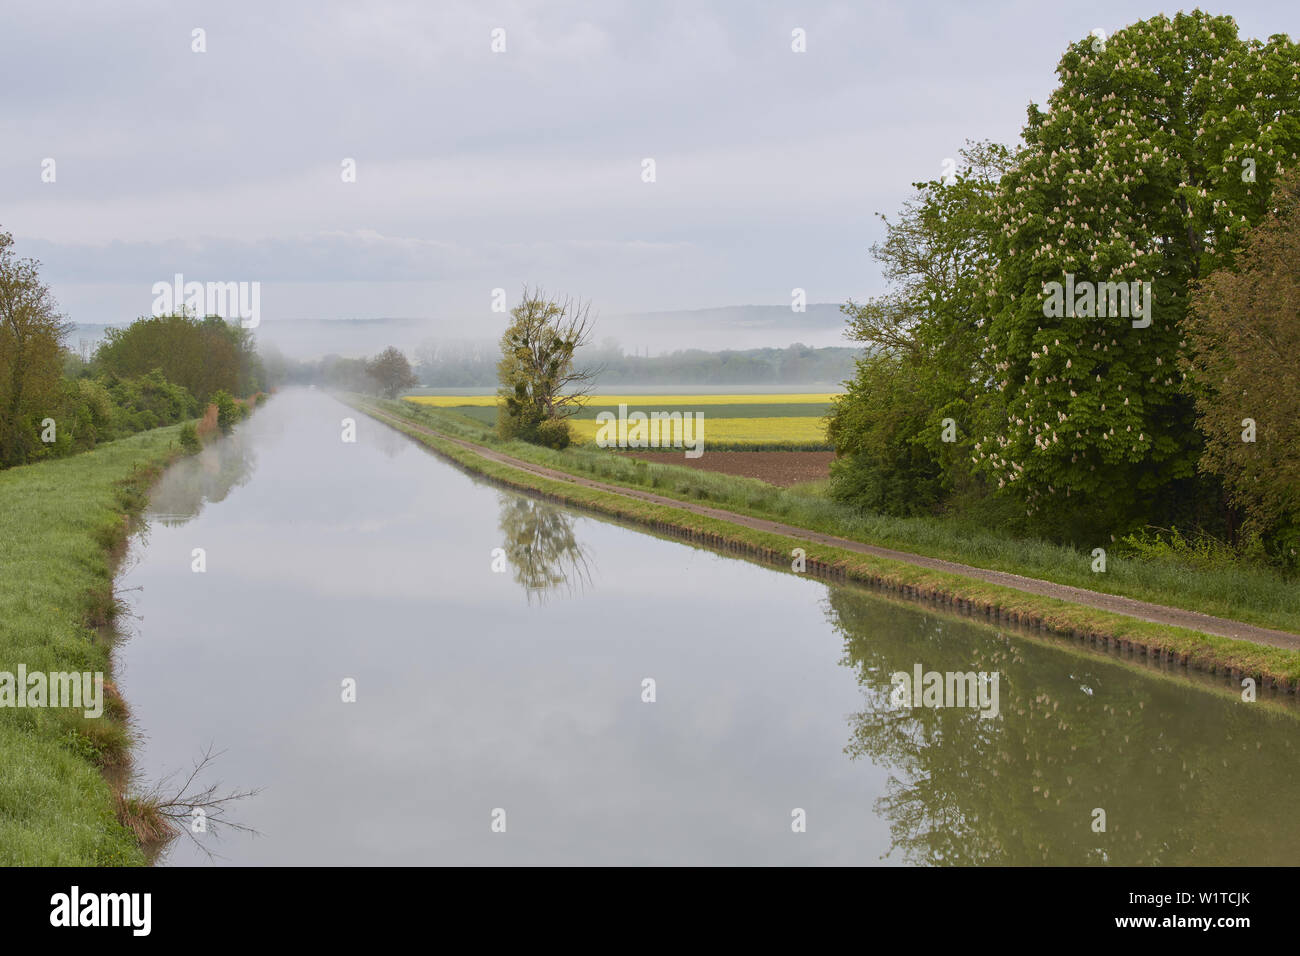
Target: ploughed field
x=732, y=422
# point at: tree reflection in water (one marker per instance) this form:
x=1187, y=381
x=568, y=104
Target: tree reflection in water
x=542, y=549
x=1185, y=774
x=192, y=482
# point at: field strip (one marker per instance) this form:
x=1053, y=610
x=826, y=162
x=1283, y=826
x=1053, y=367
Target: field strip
x=667, y=400
x=757, y=430
x=1116, y=604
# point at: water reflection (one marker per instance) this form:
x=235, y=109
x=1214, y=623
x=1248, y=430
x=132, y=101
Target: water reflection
x=541, y=548
x=348, y=560
x=1181, y=773
x=389, y=441
x=207, y=477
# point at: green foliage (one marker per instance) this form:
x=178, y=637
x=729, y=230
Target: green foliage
x=95, y=397
x=1134, y=173
x=554, y=433
x=1243, y=374
x=90, y=411
x=202, y=355
x=523, y=422
x=517, y=418
x=923, y=362
x=880, y=464
x=53, y=403
x=189, y=438
x=32, y=331
x=229, y=412
x=391, y=372
x=148, y=401
x=538, y=381
x=1198, y=550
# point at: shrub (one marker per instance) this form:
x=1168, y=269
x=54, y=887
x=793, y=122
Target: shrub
x=147, y=401
x=189, y=438
x=99, y=404
x=228, y=410
x=1199, y=550
x=516, y=421
x=554, y=433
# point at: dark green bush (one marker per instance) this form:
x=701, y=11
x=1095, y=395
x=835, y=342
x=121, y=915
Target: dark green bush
x=228, y=410
x=554, y=433
x=189, y=438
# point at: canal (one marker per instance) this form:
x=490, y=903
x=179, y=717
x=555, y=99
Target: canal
x=592, y=694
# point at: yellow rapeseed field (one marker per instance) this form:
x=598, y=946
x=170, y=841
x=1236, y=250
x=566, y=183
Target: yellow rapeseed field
x=740, y=430
x=731, y=427
x=644, y=401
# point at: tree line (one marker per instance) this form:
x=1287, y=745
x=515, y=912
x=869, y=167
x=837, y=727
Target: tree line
x=388, y=373
x=464, y=365
x=1165, y=162
x=157, y=371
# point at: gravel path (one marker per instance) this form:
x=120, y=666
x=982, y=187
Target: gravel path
x=1142, y=610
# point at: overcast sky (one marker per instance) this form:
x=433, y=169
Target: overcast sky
x=478, y=170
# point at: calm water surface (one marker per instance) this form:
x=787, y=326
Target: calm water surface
x=521, y=690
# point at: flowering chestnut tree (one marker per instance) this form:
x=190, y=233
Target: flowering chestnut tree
x=1155, y=155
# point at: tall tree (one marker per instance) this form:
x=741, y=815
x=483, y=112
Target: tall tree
x=902, y=428
x=391, y=371
x=539, y=380
x=1244, y=328
x=31, y=354
x=1157, y=152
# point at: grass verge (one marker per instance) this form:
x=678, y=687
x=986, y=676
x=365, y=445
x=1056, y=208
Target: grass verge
x=63, y=527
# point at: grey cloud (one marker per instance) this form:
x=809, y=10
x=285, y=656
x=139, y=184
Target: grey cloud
x=481, y=168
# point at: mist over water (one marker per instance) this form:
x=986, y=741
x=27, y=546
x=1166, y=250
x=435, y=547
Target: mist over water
x=522, y=690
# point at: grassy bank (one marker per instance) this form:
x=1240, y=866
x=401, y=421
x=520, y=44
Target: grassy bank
x=1250, y=594
x=1276, y=601
x=63, y=524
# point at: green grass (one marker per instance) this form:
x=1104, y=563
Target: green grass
x=1246, y=593
x=60, y=522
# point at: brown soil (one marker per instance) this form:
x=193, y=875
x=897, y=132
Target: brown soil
x=782, y=468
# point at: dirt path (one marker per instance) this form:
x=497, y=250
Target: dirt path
x=1129, y=607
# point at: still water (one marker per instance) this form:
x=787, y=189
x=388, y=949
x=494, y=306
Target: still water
x=517, y=696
